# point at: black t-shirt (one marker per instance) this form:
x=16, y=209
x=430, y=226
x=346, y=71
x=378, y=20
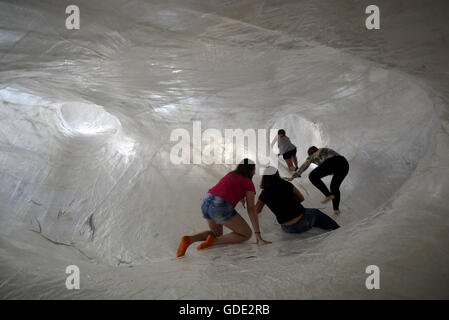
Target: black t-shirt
x=282, y=201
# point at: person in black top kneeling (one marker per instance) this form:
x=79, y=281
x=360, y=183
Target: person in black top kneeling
x=284, y=200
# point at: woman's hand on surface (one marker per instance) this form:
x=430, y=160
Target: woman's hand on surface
x=261, y=241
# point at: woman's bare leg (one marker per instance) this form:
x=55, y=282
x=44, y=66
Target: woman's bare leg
x=295, y=162
x=290, y=164
x=240, y=231
x=199, y=236
x=215, y=229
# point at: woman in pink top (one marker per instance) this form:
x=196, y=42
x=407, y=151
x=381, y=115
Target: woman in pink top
x=218, y=210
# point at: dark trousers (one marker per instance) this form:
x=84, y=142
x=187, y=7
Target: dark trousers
x=312, y=218
x=336, y=166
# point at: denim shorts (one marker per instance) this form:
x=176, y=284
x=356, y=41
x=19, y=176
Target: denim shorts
x=304, y=224
x=217, y=209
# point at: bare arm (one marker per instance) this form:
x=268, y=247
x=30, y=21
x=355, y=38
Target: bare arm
x=298, y=194
x=274, y=140
x=251, y=208
x=259, y=206
x=304, y=166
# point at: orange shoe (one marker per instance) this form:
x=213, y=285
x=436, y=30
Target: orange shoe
x=208, y=243
x=183, y=245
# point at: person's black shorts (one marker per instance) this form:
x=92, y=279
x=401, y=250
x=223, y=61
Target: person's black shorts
x=289, y=154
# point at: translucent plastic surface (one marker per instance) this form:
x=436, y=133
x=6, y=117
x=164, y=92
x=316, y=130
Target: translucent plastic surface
x=85, y=123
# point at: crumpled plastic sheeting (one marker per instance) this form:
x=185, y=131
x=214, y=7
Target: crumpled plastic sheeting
x=86, y=117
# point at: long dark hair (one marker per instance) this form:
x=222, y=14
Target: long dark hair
x=270, y=179
x=245, y=168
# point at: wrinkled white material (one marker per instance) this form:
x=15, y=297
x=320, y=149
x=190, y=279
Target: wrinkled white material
x=86, y=117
